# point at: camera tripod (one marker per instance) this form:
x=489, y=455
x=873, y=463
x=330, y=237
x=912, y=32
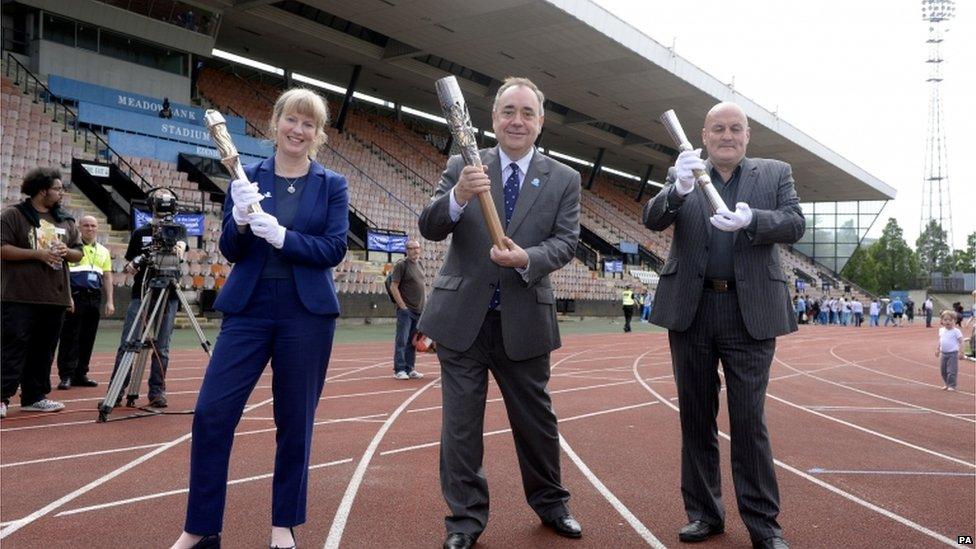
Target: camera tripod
x=139, y=347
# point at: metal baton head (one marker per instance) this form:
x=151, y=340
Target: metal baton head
x=217, y=127
x=673, y=126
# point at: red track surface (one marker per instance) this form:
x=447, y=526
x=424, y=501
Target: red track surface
x=871, y=453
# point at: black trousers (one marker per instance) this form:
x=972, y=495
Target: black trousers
x=30, y=335
x=628, y=314
x=78, y=334
x=464, y=388
x=718, y=333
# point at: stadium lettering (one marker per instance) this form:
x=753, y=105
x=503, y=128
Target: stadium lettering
x=134, y=103
x=184, y=132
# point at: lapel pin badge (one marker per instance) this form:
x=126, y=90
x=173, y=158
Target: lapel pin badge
x=535, y=182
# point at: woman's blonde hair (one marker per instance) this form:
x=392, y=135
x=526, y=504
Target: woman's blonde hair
x=307, y=103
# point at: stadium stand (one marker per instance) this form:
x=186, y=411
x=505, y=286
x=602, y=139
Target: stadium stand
x=392, y=168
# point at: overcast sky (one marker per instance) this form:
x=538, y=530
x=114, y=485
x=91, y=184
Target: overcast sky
x=850, y=74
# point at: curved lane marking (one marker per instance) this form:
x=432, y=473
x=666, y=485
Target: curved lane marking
x=846, y=495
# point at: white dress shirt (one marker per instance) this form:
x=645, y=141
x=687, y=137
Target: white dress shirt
x=506, y=163
x=523, y=163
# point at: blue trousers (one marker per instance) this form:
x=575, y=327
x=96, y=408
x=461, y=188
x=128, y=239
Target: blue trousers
x=404, y=353
x=276, y=326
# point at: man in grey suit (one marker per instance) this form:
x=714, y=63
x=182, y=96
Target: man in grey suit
x=723, y=296
x=493, y=309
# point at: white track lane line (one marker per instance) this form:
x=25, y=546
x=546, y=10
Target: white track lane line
x=642, y=530
x=868, y=393
x=156, y=495
x=846, y=495
x=912, y=381
x=932, y=366
x=370, y=417
x=872, y=432
x=345, y=506
x=47, y=509
x=117, y=503
x=634, y=522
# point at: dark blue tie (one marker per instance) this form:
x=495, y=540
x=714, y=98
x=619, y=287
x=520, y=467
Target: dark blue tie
x=511, y=197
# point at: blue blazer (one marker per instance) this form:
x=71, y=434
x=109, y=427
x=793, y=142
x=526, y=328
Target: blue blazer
x=315, y=243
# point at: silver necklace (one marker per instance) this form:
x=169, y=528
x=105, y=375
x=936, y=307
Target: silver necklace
x=291, y=182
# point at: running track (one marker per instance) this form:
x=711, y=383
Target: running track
x=870, y=453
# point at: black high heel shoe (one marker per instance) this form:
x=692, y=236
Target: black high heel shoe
x=208, y=542
x=293, y=538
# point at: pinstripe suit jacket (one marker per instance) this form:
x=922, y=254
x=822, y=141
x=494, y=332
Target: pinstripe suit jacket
x=763, y=295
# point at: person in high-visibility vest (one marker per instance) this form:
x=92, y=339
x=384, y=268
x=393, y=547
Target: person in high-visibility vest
x=628, y=302
x=90, y=278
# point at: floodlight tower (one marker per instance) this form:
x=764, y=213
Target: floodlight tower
x=935, y=182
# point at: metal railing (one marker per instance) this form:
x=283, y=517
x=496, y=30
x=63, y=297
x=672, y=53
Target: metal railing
x=69, y=119
x=429, y=185
x=260, y=133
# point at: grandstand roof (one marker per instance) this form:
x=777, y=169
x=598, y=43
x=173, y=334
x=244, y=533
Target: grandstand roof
x=609, y=81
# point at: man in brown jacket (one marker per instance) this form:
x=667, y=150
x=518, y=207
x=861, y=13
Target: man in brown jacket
x=37, y=240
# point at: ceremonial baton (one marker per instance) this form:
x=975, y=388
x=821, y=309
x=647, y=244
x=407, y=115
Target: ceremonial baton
x=217, y=127
x=677, y=133
x=456, y=113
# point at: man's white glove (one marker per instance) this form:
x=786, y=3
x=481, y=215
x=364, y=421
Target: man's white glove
x=244, y=194
x=687, y=161
x=732, y=221
x=266, y=226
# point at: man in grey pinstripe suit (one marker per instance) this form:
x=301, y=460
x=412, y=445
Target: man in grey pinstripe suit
x=723, y=297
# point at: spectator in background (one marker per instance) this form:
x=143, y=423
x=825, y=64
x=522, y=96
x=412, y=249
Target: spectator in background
x=858, y=309
x=910, y=311
x=407, y=289
x=627, y=300
x=648, y=305
x=950, y=341
x=90, y=278
x=814, y=306
x=166, y=111
x=800, y=306
x=897, y=311
x=927, y=309
x=874, y=311
x=37, y=239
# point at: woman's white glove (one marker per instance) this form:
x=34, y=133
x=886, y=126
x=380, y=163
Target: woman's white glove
x=267, y=227
x=244, y=194
x=687, y=161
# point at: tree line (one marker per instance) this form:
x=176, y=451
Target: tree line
x=890, y=264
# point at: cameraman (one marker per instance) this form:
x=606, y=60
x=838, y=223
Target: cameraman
x=139, y=254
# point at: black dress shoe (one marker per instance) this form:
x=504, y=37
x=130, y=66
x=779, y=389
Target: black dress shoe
x=699, y=530
x=774, y=542
x=208, y=542
x=84, y=381
x=64, y=385
x=566, y=526
x=458, y=540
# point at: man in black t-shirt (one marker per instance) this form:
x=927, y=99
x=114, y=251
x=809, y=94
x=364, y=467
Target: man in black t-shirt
x=139, y=247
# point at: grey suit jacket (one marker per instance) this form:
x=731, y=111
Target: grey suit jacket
x=767, y=186
x=545, y=223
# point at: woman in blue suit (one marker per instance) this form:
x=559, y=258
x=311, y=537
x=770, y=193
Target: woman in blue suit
x=279, y=303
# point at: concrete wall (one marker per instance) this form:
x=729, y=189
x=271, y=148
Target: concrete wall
x=127, y=22
x=54, y=58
